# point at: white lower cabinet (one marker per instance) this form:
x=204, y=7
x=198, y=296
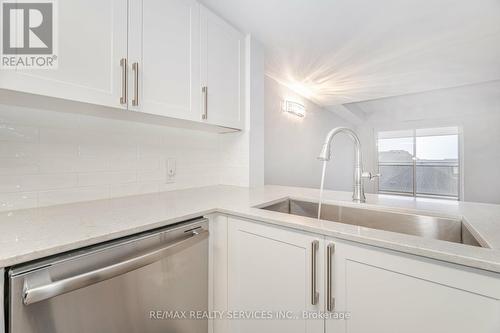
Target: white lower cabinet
x=271, y=270
x=386, y=291
x=260, y=267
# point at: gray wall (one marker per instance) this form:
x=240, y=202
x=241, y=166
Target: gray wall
x=474, y=108
x=292, y=144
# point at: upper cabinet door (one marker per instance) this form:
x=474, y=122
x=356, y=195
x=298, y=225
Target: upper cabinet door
x=164, y=58
x=92, y=39
x=222, y=70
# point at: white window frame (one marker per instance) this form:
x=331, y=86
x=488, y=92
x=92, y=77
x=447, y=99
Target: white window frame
x=414, y=134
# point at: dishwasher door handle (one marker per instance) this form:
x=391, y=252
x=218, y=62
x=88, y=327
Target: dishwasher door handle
x=40, y=293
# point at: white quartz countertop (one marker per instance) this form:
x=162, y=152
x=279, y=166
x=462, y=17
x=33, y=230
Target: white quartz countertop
x=31, y=234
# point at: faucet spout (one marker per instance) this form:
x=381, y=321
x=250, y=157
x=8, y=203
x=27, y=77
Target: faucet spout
x=325, y=155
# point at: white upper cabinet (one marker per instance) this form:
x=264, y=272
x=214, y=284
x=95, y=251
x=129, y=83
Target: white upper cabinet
x=164, y=58
x=92, y=40
x=171, y=58
x=222, y=71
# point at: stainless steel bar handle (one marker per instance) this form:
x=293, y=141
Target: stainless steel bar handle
x=135, y=68
x=330, y=301
x=314, y=292
x=40, y=293
x=123, y=64
x=204, y=90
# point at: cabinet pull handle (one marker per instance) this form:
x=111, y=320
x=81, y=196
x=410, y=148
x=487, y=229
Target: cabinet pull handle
x=123, y=64
x=314, y=292
x=204, y=90
x=330, y=300
x=135, y=68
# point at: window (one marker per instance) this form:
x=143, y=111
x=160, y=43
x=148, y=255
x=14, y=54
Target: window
x=421, y=162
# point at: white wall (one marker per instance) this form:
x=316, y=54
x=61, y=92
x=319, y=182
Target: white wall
x=292, y=144
x=476, y=108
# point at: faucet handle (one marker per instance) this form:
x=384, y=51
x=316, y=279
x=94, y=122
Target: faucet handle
x=370, y=176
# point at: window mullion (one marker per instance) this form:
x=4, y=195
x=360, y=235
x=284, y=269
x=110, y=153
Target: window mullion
x=414, y=162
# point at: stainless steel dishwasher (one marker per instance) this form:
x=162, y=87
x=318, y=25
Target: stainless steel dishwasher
x=145, y=283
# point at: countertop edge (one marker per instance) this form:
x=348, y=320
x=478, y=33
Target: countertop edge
x=457, y=259
x=71, y=246
x=241, y=203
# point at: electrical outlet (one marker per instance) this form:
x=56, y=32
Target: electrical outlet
x=171, y=170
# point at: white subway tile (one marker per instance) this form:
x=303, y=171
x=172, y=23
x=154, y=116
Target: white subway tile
x=18, y=133
x=73, y=164
x=58, y=149
x=152, y=135
x=91, y=164
x=197, y=176
x=159, y=175
x=103, y=178
x=56, y=197
x=11, y=184
x=36, y=182
x=18, y=149
x=123, y=163
x=57, y=164
x=198, y=157
x=155, y=150
x=145, y=164
x=18, y=166
x=58, y=135
x=133, y=189
x=106, y=149
x=168, y=187
x=21, y=200
x=238, y=176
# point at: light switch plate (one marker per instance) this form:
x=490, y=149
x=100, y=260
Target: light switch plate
x=171, y=170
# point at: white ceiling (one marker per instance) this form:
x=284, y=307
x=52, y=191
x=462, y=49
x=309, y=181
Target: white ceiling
x=341, y=51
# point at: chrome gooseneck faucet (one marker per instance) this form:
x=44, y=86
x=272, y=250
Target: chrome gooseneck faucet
x=358, y=190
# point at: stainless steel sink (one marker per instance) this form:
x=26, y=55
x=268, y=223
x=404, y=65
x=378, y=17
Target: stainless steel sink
x=447, y=229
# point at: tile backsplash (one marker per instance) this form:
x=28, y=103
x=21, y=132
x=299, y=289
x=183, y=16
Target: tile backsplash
x=49, y=158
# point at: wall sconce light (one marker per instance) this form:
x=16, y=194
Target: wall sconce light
x=294, y=108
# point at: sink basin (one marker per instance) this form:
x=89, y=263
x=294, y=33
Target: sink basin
x=447, y=229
